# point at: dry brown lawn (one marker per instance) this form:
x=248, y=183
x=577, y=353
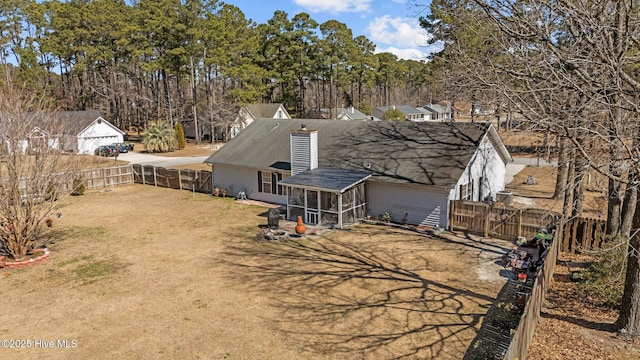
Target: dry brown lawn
x=142, y=272
x=191, y=149
x=540, y=194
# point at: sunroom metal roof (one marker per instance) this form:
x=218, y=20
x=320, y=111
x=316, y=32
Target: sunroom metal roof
x=327, y=179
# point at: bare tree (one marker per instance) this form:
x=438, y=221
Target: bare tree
x=34, y=169
x=582, y=54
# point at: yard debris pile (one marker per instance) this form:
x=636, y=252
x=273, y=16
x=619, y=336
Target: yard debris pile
x=503, y=318
x=272, y=235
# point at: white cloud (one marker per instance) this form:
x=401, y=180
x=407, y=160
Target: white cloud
x=335, y=6
x=399, y=1
x=397, y=31
x=406, y=53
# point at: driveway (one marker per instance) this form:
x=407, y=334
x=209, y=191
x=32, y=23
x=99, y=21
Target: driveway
x=161, y=161
x=520, y=163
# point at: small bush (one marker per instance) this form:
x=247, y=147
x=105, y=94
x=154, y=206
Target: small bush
x=78, y=187
x=604, y=279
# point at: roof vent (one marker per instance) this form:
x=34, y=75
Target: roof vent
x=303, y=127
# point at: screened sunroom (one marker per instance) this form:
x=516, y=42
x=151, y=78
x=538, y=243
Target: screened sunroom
x=327, y=197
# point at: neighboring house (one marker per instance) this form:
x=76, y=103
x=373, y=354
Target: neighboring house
x=352, y=113
x=248, y=114
x=411, y=113
x=77, y=131
x=482, y=108
x=439, y=112
x=334, y=172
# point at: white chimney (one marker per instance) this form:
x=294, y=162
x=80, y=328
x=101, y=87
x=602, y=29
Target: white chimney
x=304, y=150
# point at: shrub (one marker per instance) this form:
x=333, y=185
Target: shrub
x=78, y=187
x=159, y=137
x=180, y=139
x=604, y=278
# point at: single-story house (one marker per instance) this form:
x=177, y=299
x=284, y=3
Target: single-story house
x=90, y=129
x=249, y=113
x=334, y=172
x=440, y=112
x=411, y=113
x=351, y=113
x=77, y=131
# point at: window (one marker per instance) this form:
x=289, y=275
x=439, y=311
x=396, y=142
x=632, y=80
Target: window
x=269, y=182
x=264, y=182
x=465, y=191
x=279, y=114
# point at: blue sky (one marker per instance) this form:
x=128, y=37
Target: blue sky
x=391, y=24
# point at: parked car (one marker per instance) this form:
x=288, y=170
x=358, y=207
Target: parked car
x=122, y=146
x=106, y=150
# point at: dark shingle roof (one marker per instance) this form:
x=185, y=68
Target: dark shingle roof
x=75, y=121
x=425, y=153
x=59, y=122
x=263, y=110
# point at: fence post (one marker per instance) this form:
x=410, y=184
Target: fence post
x=519, y=223
x=486, y=221
x=451, y=212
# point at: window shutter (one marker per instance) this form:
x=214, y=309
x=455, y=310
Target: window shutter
x=274, y=183
x=259, y=181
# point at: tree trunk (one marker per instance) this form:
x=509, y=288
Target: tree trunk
x=581, y=167
x=614, y=207
x=568, y=193
x=194, y=100
x=563, y=168
x=630, y=197
x=629, y=320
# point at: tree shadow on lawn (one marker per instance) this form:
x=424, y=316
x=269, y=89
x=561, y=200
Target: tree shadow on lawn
x=385, y=297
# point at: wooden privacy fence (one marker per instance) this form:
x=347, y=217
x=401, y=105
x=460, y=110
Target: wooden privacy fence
x=531, y=316
x=184, y=179
x=98, y=178
x=583, y=234
x=101, y=178
x=498, y=221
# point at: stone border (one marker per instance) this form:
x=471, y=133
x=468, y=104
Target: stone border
x=26, y=263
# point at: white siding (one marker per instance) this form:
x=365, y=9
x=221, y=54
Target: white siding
x=423, y=205
x=304, y=151
x=485, y=164
x=100, y=132
x=236, y=179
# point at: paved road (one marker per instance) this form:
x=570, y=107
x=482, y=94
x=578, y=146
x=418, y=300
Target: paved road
x=162, y=161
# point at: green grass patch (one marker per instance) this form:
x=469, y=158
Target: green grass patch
x=96, y=270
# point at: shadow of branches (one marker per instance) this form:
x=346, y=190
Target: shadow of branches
x=367, y=293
